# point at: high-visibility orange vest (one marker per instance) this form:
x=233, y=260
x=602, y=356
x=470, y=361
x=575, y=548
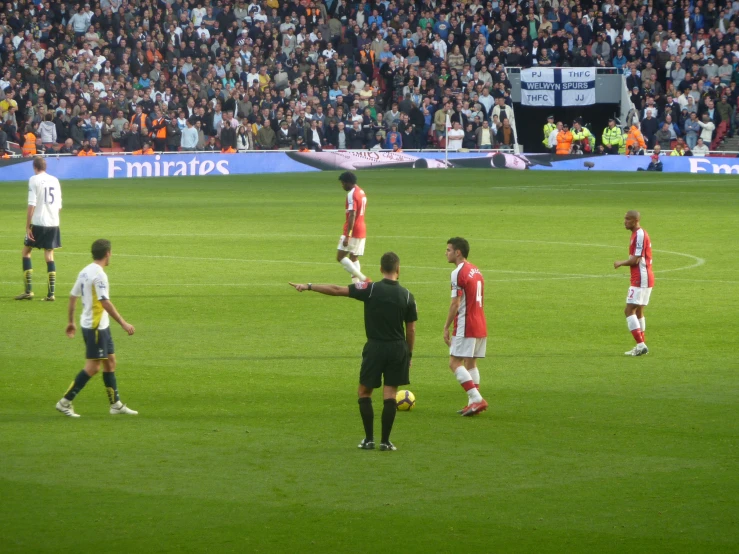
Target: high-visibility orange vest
x=5, y=156
x=159, y=133
x=29, y=146
x=363, y=56
x=83, y=153
x=635, y=137
x=564, y=142
x=228, y=150
x=140, y=120
x=148, y=151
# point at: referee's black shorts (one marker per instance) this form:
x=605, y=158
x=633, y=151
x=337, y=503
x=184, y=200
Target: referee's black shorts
x=47, y=238
x=388, y=359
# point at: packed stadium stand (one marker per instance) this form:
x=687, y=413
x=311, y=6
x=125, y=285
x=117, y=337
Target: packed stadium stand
x=216, y=75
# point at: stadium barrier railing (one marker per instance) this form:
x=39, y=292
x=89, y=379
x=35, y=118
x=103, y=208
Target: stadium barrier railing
x=711, y=153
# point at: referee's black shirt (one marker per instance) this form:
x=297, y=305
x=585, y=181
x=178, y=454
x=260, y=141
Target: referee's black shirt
x=387, y=307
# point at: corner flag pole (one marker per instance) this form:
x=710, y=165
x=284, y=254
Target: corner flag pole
x=446, y=141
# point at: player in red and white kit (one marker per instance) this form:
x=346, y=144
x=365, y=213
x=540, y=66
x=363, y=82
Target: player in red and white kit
x=642, y=281
x=351, y=243
x=467, y=342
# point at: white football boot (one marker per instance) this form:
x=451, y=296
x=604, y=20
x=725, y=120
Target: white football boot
x=119, y=408
x=65, y=406
x=639, y=350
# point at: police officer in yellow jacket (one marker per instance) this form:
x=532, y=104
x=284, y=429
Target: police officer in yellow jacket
x=548, y=128
x=613, y=138
x=582, y=138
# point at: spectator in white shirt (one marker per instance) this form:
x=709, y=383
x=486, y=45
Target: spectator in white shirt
x=252, y=78
x=486, y=100
x=700, y=149
x=455, y=136
x=189, y=139
x=197, y=15
x=707, y=127
x=439, y=45
x=203, y=33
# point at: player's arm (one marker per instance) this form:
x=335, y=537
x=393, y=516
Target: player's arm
x=71, y=327
x=30, y=210
x=29, y=218
x=329, y=290
x=410, y=335
x=350, y=219
x=112, y=312
x=453, y=310
x=632, y=261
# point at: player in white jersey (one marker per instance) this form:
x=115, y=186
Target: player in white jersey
x=42, y=226
x=92, y=286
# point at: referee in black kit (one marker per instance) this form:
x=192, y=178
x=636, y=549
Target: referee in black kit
x=390, y=324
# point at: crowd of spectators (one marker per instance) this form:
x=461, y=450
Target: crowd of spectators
x=231, y=75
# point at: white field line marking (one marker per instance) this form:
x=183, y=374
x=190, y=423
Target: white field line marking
x=281, y=284
x=718, y=181
x=285, y=284
x=533, y=188
x=697, y=261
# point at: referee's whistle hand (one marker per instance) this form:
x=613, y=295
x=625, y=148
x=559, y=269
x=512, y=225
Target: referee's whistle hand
x=298, y=287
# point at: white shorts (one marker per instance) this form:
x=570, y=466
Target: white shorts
x=355, y=246
x=468, y=347
x=638, y=295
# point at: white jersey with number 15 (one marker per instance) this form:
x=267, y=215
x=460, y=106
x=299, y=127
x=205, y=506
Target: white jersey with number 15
x=45, y=193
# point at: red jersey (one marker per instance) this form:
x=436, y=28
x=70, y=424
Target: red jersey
x=640, y=245
x=356, y=201
x=467, y=283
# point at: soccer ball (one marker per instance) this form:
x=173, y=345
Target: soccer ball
x=405, y=400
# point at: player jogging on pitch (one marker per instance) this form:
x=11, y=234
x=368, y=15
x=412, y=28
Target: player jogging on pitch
x=642, y=281
x=92, y=286
x=469, y=339
x=42, y=226
x=351, y=242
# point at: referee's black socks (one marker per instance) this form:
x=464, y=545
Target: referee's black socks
x=368, y=417
x=389, y=407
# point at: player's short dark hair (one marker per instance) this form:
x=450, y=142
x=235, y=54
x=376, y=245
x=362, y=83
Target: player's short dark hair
x=39, y=163
x=390, y=262
x=458, y=243
x=100, y=249
x=348, y=177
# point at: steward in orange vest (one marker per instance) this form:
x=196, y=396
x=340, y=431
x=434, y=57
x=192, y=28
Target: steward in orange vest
x=159, y=133
x=146, y=150
x=29, y=144
x=228, y=150
x=86, y=151
x=367, y=57
x=141, y=120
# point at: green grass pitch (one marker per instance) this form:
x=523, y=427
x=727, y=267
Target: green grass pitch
x=248, y=426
